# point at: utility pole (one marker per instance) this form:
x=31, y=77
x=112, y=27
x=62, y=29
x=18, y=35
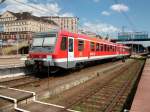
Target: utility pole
x=123, y=29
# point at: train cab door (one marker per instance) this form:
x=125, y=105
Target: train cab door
x=71, y=60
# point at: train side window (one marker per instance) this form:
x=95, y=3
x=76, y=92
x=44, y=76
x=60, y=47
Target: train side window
x=111, y=48
x=107, y=47
x=97, y=46
x=80, y=45
x=64, y=43
x=92, y=46
x=101, y=47
x=104, y=47
x=70, y=45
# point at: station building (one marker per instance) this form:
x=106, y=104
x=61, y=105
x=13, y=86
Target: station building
x=22, y=24
x=65, y=23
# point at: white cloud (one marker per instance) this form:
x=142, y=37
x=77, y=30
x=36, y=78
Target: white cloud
x=120, y=7
x=38, y=9
x=98, y=27
x=67, y=14
x=96, y=1
x=105, y=13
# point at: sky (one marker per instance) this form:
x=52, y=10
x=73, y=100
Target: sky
x=99, y=16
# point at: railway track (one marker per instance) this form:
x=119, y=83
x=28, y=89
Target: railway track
x=108, y=95
x=20, y=81
x=105, y=95
x=30, y=81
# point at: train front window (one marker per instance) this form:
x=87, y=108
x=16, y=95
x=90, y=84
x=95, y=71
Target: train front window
x=49, y=41
x=44, y=42
x=37, y=42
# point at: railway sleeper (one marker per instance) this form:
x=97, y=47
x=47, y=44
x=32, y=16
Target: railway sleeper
x=89, y=105
x=96, y=101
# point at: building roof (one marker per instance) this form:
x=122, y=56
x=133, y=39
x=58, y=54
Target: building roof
x=28, y=16
x=58, y=17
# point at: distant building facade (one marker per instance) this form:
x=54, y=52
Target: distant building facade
x=132, y=35
x=65, y=23
x=23, y=25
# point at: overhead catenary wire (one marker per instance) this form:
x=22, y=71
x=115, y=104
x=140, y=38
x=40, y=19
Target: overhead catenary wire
x=40, y=10
x=127, y=17
x=130, y=22
x=33, y=7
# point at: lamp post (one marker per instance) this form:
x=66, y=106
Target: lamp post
x=48, y=77
x=1, y=42
x=17, y=37
x=49, y=58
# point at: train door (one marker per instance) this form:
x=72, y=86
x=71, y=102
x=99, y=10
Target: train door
x=71, y=60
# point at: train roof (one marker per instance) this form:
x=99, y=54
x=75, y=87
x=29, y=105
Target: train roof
x=85, y=37
x=94, y=39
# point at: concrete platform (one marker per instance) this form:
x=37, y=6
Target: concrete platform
x=141, y=102
x=5, y=105
x=12, y=62
x=42, y=107
x=16, y=96
x=12, y=94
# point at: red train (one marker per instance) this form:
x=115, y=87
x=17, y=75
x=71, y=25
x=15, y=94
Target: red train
x=62, y=49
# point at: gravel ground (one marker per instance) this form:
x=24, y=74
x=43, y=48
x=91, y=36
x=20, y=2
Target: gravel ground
x=70, y=95
x=56, y=81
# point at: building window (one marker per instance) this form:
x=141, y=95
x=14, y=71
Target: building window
x=64, y=43
x=80, y=45
x=92, y=46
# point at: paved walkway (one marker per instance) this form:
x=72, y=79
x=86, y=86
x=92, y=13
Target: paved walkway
x=9, y=56
x=11, y=61
x=38, y=106
x=16, y=94
x=141, y=102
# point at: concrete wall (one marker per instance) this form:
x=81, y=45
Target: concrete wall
x=15, y=71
